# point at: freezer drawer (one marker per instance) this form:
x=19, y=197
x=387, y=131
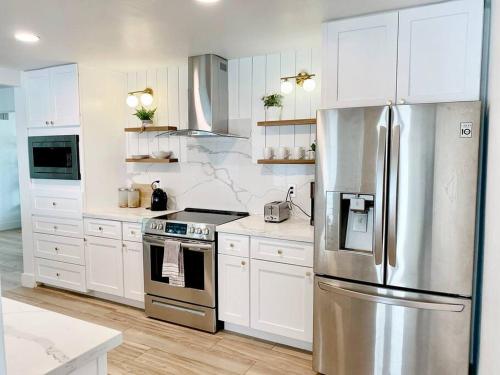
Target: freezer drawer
x=362, y=330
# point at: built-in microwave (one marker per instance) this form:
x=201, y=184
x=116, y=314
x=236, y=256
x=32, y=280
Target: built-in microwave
x=54, y=157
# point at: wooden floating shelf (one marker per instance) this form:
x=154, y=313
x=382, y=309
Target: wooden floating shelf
x=304, y=121
x=285, y=161
x=151, y=129
x=152, y=160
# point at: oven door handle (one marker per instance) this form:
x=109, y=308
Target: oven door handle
x=196, y=247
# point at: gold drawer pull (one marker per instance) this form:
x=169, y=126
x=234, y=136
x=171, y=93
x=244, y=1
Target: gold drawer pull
x=56, y=248
x=243, y=262
x=58, y=274
x=280, y=252
x=231, y=245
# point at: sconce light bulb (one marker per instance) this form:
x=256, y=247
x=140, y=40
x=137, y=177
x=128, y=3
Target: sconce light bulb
x=132, y=101
x=286, y=87
x=146, y=99
x=309, y=85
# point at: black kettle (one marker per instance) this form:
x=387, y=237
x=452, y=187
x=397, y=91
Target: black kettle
x=158, y=198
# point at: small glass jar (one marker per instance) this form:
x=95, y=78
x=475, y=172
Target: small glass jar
x=134, y=198
x=123, y=197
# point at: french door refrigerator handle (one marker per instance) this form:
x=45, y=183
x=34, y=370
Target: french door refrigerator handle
x=395, y=301
x=380, y=194
x=393, y=196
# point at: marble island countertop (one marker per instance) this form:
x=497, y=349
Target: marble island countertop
x=38, y=341
x=293, y=229
x=131, y=215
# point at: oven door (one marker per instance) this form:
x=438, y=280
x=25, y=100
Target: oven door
x=199, y=271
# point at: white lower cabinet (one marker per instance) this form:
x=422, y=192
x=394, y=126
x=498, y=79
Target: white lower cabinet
x=133, y=271
x=104, y=261
x=234, y=289
x=281, y=299
x=60, y=274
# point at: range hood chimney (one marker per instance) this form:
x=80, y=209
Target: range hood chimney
x=208, y=98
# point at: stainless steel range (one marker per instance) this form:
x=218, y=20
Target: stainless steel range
x=195, y=304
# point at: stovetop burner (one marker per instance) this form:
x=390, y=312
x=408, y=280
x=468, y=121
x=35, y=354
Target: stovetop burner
x=196, y=223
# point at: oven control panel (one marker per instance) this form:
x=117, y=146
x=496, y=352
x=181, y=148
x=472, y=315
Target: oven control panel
x=176, y=229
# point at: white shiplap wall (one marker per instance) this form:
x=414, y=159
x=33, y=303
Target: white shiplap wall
x=249, y=79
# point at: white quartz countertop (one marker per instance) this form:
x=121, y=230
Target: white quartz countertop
x=131, y=215
x=38, y=341
x=293, y=229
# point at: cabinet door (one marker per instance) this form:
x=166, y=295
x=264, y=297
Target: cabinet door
x=39, y=106
x=104, y=264
x=133, y=271
x=359, y=67
x=282, y=299
x=64, y=87
x=439, y=58
x=234, y=289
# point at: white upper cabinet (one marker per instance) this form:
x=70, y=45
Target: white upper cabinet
x=52, y=96
x=439, y=56
x=417, y=55
x=359, y=68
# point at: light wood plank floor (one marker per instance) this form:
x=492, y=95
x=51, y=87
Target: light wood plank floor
x=155, y=347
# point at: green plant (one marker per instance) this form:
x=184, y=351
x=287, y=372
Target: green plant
x=313, y=146
x=145, y=114
x=273, y=100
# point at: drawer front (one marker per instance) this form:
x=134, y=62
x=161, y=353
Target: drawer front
x=132, y=232
x=57, y=203
x=234, y=244
x=64, y=275
x=58, y=226
x=103, y=228
x=290, y=252
x=64, y=249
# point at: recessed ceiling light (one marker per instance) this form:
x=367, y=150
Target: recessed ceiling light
x=27, y=37
x=207, y=1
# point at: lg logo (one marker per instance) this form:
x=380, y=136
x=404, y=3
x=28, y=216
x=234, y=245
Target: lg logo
x=466, y=130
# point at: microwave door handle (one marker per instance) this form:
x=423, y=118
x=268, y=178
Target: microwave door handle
x=380, y=194
x=394, y=192
x=395, y=301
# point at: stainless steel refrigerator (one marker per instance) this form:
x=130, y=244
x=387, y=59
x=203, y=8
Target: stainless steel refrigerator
x=394, y=238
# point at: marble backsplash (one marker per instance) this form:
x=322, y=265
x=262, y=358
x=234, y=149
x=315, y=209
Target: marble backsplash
x=218, y=173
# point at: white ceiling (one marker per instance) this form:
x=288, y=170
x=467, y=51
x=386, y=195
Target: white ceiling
x=133, y=34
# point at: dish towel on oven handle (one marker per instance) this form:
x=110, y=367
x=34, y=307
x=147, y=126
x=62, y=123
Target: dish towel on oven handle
x=173, y=263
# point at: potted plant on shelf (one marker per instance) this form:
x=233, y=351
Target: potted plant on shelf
x=145, y=115
x=273, y=104
x=311, y=153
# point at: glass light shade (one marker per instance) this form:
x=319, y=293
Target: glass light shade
x=286, y=87
x=309, y=85
x=27, y=37
x=132, y=101
x=146, y=99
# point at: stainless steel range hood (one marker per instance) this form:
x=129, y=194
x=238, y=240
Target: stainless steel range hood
x=208, y=98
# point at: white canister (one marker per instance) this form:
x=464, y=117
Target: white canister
x=283, y=153
x=268, y=153
x=298, y=153
x=134, y=198
x=123, y=197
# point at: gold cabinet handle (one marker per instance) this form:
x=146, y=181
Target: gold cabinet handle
x=280, y=252
x=231, y=245
x=243, y=262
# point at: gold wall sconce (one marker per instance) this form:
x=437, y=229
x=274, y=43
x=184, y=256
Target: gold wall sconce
x=146, y=97
x=303, y=79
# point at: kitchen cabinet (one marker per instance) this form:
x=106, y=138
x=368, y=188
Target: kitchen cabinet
x=281, y=299
x=60, y=274
x=58, y=226
x=104, y=265
x=234, y=289
x=57, y=203
x=282, y=251
x=103, y=228
x=133, y=271
x=361, y=58
x=439, y=52
x=52, y=97
x=64, y=249
x=417, y=55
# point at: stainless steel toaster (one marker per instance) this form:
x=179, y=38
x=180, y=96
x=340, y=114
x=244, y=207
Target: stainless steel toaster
x=276, y=212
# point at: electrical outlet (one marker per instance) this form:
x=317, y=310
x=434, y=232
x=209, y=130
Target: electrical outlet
x=292, y=188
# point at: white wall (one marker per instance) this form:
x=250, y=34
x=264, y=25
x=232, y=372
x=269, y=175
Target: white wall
x=10, y=211
x=222, y=173
x=489, y=356
x=10, y=77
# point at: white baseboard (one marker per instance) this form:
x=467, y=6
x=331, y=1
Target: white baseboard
x=122, y=300
x=28, y=280
x=304, y=345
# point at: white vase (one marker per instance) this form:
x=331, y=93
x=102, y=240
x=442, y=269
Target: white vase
x=146, y=123
x=273, y=113
x=311, y=155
